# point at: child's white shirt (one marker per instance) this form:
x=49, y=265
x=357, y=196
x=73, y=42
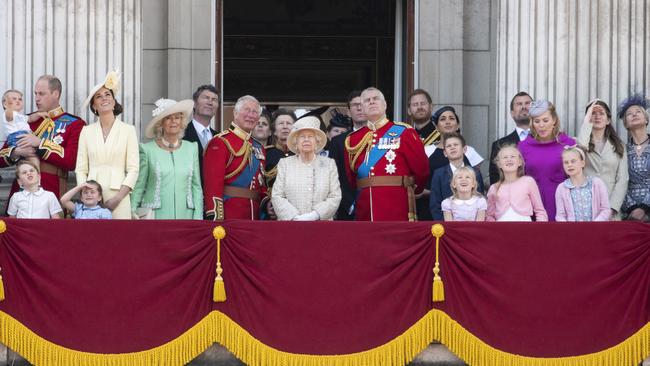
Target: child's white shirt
x=19, y=123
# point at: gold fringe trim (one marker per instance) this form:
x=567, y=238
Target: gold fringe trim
x=218, y=327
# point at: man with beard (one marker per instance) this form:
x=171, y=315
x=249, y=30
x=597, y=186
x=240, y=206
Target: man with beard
x=337, y=152
x=420, y=107
x=519, y=112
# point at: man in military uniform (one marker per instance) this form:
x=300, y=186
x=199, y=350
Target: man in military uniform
x=385, y=163
x=420, y=107
x=55, y=138
x=234, y=167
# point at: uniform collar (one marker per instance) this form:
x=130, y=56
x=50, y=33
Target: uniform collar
x=374, y=126
x=55, y=112
x=239, y=132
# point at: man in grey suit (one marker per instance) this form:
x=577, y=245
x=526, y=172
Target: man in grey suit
x=206, y=105
x=519, y=112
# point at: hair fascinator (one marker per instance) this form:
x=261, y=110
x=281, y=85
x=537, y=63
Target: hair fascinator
x=636, y=99
x=538, y=107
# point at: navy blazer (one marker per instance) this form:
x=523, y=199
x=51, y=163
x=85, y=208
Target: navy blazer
x=441, y=189
x=191, y=135
x=337, y=152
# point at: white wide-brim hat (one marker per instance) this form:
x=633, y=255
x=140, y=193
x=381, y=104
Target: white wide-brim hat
x=167, y=107
x=306, y=123
x=111, y=82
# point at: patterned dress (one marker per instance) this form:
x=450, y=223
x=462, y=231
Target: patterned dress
x=638, y=190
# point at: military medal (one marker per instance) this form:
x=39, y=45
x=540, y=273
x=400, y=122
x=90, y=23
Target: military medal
x=390, y=167
x=258, y=153
x=57, y=139
x=390, y=156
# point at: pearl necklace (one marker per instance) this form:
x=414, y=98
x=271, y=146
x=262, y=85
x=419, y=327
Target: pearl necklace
x=170, y=145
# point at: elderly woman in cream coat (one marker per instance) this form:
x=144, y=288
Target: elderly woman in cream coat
x=307, y=185
x=108, y=149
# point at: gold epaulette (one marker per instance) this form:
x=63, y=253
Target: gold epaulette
x=403, y=124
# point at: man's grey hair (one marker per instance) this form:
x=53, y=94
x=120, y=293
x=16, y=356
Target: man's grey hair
x=247, y=98
x=372, y=88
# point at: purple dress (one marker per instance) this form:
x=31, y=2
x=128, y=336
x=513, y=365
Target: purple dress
x=544, y=163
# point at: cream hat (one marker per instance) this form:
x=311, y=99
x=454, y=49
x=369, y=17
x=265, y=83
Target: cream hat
x=111, y=82
x=167, y=107
x=306, y=123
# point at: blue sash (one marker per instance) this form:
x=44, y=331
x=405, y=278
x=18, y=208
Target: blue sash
x=247, y=174
x=376, y=154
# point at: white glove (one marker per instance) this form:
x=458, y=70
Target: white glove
x=310, y=216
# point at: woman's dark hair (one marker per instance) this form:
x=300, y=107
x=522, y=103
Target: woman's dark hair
x=610, y=133
x=117, y=110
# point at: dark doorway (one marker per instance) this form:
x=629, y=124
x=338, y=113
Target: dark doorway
x=306, y=51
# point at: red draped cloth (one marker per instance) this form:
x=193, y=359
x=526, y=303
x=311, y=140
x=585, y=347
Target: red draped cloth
x=539, y=290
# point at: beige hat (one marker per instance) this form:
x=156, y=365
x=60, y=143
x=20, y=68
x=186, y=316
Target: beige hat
x=111, y=82
x=167, y=107
x=306, y=123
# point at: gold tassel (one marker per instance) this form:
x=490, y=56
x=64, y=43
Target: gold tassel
x=2, y=290
x=3, y=228
x=219, y=290
x=438, y=287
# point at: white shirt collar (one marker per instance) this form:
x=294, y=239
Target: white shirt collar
x=199, y=127
x=453, y=167
x=468, y=202
x=520, y=131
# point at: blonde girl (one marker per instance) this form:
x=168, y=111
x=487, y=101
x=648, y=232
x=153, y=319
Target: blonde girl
x=515, y=197
x=580, y=197
x=466, y=204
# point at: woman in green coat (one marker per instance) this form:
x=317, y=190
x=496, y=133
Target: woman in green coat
x=169, y=184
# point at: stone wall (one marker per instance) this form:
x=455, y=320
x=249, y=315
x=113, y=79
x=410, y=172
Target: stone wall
x=176, y=50
x=456, y=56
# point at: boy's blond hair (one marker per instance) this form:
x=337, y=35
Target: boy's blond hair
x=4, y=96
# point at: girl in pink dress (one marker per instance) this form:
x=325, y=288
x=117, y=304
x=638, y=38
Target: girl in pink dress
x=515, y=197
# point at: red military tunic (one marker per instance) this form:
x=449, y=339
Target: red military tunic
x=59, y=134
x=403, y=155
x=233, y=166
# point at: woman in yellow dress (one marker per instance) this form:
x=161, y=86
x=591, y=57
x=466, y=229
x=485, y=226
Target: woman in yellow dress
x=108, y=149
